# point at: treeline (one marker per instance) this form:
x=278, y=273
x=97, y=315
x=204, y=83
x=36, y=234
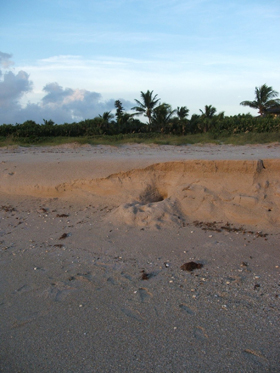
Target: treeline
x=161, y=119
x=99, y=126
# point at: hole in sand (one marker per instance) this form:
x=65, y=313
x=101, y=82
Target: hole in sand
x=152, y=195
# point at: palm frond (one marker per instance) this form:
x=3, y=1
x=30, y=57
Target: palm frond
x=252, y=104
x=140, y=103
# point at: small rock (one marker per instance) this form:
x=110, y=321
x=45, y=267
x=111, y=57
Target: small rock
x=145, y=275
x=63, y=236
x=190, y=266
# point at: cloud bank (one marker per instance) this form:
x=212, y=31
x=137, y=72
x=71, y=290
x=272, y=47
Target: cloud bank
x=59, y=104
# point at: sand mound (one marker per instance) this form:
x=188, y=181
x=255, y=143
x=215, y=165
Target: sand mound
x=155, y=214
x=238, y=192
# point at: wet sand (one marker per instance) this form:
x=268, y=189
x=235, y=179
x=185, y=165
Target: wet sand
x=92, y=240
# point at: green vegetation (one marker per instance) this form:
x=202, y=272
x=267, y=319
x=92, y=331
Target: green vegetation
x=147, y=105
x=264, y=99
x=151, y=138
x=164, y=126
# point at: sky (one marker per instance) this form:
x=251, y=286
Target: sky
x=69, y=60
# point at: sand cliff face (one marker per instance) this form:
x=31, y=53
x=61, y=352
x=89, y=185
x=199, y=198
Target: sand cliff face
x=235, y=191
x=238, y=192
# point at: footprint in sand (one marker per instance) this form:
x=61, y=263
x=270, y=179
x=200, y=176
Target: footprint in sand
x=200, y=333
x=187, y=309
x=132, y=314
x=144, y=294
x=58, y=291
x=112, y=281
x=126, y=276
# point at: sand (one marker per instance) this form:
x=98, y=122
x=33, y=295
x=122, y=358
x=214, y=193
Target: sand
x=92, y=240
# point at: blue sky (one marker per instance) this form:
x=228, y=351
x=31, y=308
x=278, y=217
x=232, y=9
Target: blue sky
x=69, y=60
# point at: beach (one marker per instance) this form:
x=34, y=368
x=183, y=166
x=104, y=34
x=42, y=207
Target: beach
x=93, y=242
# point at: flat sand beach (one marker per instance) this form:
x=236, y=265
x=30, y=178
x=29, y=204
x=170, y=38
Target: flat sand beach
x=140, y=258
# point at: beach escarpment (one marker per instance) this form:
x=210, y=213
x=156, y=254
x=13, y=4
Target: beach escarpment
x=244, y=192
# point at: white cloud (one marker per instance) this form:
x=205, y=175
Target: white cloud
x=5, y=60
x=57, y=103
x=13, y=86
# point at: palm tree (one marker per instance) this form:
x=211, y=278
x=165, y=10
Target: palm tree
x=209, y=118
x=147, y=105
x=120, y=109
x=264, y=99
x=162, y=115
x=209, y=111
x=182, y=112
x=106, y=118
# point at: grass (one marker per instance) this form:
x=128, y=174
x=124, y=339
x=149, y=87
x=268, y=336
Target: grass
x=253, y=138
x=148, y=138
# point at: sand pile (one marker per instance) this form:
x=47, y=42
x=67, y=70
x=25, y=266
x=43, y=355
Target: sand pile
x=238, y=192
x=242, y=192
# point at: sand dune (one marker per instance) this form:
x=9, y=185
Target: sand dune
x=242, y=192
x=238, y=192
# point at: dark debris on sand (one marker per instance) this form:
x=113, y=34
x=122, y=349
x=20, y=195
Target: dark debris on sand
x=7, y=208
x=145, y=275
x=65, y=235
x=190, y=266
x=217, y=227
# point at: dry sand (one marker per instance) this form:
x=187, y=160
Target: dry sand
x=92, y=239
